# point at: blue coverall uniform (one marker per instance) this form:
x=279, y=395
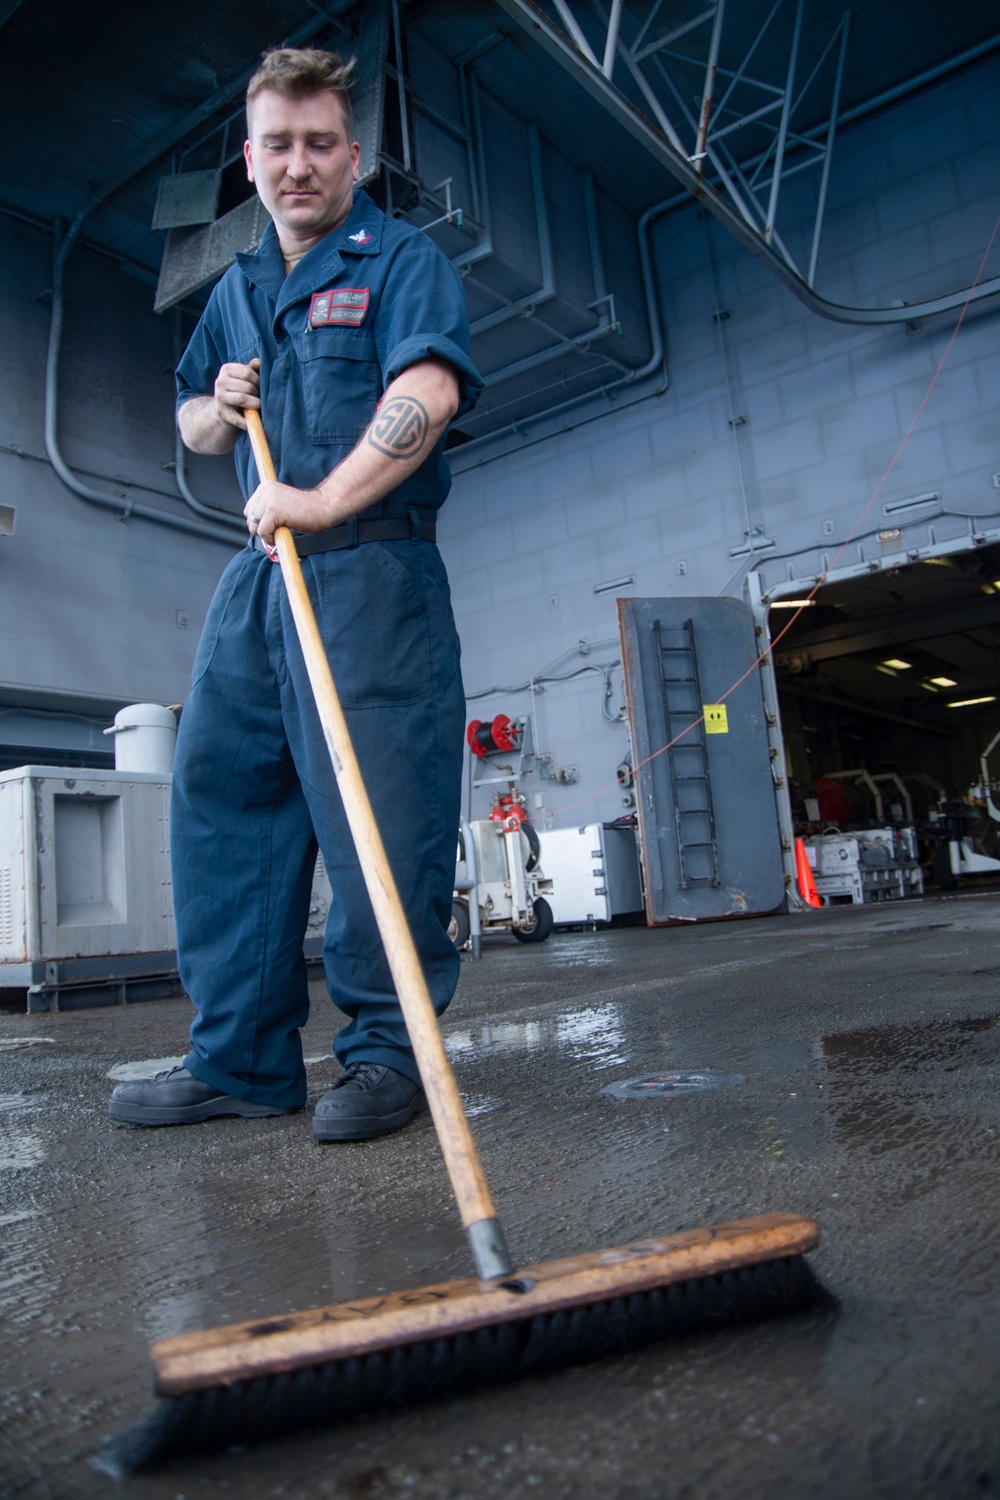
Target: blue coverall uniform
x=253, y=786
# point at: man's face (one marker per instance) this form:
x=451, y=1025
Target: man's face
x=302, y=163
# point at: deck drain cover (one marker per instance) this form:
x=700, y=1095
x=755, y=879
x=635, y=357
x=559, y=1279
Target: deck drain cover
x=656, y=1084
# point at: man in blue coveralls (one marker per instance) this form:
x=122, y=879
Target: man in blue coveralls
x=349, y=332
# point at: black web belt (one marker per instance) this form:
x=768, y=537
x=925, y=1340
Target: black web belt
x=352, y=533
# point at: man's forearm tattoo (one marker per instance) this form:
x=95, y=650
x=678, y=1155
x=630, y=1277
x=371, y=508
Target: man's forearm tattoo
x=400, y=427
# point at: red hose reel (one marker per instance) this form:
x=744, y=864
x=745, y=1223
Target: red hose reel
x=484, y=738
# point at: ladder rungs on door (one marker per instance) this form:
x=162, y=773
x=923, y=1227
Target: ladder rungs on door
x=676, y=685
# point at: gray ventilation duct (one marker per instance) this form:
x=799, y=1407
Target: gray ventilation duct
x=194, y=257
x=187, y=198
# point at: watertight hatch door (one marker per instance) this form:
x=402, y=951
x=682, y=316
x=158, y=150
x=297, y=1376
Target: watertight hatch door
x=705, y=793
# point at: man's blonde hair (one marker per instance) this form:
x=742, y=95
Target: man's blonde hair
x=297, y=72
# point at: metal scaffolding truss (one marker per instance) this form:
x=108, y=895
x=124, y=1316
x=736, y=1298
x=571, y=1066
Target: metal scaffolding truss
x=731, y=134
x=737, y=106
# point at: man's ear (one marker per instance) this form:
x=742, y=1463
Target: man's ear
x=248, y=158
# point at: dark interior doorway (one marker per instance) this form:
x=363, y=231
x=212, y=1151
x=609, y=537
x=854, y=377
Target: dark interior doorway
x=895, y=673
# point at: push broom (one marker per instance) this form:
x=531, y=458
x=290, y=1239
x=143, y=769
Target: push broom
x=261, y=1380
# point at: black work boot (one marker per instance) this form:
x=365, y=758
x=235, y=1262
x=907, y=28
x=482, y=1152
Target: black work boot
x=176, y=1097
x=366, y=1101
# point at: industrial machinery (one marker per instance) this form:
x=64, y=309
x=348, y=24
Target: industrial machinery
x=874, y=864
x=499, y=885
x=969, y=832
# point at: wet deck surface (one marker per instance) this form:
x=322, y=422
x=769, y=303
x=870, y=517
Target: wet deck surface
x=869, y=1044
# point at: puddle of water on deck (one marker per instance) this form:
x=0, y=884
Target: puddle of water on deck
x=888, y=1090
x=890, y=1049
x=19, y=1148
x=595, y=1035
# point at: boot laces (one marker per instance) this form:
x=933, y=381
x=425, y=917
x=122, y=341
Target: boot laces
x=169, y=1072
x=367, y=1075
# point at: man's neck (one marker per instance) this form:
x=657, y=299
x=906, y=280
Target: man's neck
x=292, y=251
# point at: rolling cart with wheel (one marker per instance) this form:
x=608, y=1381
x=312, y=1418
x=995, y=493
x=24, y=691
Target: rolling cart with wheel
x=499, y=884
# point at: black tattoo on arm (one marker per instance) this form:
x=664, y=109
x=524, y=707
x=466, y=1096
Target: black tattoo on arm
x=400, y=427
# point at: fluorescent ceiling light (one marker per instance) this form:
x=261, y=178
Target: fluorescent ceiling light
x=792, y=603
x=943, y=681
x=897, y=663
x=968, y=702
x=614, y=583
x=886, y=671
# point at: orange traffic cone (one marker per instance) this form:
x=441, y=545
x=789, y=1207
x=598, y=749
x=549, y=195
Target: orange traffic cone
x=803, y=869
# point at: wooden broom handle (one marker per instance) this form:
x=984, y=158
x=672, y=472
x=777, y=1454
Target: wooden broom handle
x=459, y=1150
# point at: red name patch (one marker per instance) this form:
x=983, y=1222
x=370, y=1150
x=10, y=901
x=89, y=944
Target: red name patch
x=348, y=304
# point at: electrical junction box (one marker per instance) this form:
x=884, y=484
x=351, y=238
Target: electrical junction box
x=594, y=872
x=86, y=906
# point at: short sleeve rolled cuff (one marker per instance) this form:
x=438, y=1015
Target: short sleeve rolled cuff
x=435, y=346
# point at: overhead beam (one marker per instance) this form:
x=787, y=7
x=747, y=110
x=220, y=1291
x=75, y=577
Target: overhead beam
x=589, y=76
x=889, y=630
x=858, y=706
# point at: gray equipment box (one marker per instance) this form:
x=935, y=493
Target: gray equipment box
x=86, y=904
x=594, y=872
x=877, y=864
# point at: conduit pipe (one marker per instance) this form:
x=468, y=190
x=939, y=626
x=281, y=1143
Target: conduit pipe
x=62, y=250
x=123, y=262
x=109, y=185
x=14, y=450
x=212, y=512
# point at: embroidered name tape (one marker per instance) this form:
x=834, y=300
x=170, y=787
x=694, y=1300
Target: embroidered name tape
x=347, y=304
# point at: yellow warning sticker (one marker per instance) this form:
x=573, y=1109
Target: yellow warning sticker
x=716, y=718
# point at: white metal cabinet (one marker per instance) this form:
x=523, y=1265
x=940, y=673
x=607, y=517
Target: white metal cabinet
x=85, y=891
x=594, y=872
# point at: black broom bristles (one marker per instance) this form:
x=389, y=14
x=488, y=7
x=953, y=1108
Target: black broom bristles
x=274, y=1406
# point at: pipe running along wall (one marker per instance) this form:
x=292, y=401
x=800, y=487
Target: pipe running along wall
x=215, y=533
x=228, y=530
